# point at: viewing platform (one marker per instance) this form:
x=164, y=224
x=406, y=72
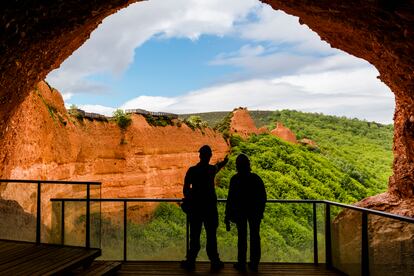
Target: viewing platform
x=83, y=234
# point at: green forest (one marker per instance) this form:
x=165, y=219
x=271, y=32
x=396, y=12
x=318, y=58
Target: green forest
x=352, y=160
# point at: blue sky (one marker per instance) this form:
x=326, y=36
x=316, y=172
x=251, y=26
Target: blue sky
x=197, y=56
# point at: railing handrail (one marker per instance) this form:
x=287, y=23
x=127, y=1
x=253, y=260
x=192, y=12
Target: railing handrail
x=49, y=181
x=371, y=211
x=343, y=205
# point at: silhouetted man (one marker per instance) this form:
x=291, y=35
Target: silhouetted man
x=200, y=195
x=245, y=205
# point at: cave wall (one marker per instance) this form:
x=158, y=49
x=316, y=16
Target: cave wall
x=37, y=36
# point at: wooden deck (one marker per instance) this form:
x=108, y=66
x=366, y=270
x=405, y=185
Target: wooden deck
x=24, y=258
x=203, y=268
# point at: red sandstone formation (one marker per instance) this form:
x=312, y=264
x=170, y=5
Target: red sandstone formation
x=242, y=124
x=44, y=142
x=284, y=133
x=36, y=38
x=262, y=130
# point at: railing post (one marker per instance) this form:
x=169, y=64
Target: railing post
x=88, y=217
x=62, y=226
x=125, y=229
x=315, y=236
x=364, y=245
x=328, y=241
x=187, y=237
x=39, y=212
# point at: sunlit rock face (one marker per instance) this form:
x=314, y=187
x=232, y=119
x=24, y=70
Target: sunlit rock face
x=284, y=133
x=242, y=124
x=44, y=142
x=36, y=38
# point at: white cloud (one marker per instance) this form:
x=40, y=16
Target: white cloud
x=351, y=93
x=280, y=28
x=346, y=92
x=100, y=109
x=111, y=46
x=150, y=102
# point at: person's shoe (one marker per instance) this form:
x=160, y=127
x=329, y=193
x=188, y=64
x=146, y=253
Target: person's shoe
x=187, y=265
x=216, y=266
x=253, y=266
x=240, y=267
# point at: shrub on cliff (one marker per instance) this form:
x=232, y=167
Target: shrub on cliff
x=74, y=111
x=159, y=120
x=194, y=122
x=122, y=119
x=224, y=125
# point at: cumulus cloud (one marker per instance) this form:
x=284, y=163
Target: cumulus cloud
x=351, y=93
x=280, y=28
x=111, y=46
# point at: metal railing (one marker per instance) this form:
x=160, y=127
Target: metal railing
x=364, y=234
x=328, y=236
x=39, y=201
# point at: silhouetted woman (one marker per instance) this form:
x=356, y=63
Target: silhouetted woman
x=245, y=205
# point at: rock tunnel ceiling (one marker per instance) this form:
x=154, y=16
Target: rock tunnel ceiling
x=38, y=37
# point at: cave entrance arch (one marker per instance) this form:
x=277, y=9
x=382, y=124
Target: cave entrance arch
x=37, y=38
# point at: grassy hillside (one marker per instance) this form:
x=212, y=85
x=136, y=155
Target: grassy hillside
x=353, y=161
x=362, y=150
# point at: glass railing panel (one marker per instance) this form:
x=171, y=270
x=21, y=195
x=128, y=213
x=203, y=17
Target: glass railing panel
x=156, y=231
x=64, y=211
x=391, y=246
x=112, y=230
x=95, y=209
x=320, y=227
x=226, y=240
x=287, y=233
x=51, y=213
x=74, y=223
x=346, y=240
x=18, y=211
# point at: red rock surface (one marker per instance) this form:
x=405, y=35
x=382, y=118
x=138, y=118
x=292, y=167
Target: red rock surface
x=242, y=124
x=143, y=161
x=284, y=133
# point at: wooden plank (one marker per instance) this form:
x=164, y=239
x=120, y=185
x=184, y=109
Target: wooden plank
x=203, y=268
x=47, y=262
x=23, y=258
x=18, y=252
x=29, y=258
x=71, y=263
x=100, y=268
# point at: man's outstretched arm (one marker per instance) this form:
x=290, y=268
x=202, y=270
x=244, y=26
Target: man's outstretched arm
x=221, y=164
